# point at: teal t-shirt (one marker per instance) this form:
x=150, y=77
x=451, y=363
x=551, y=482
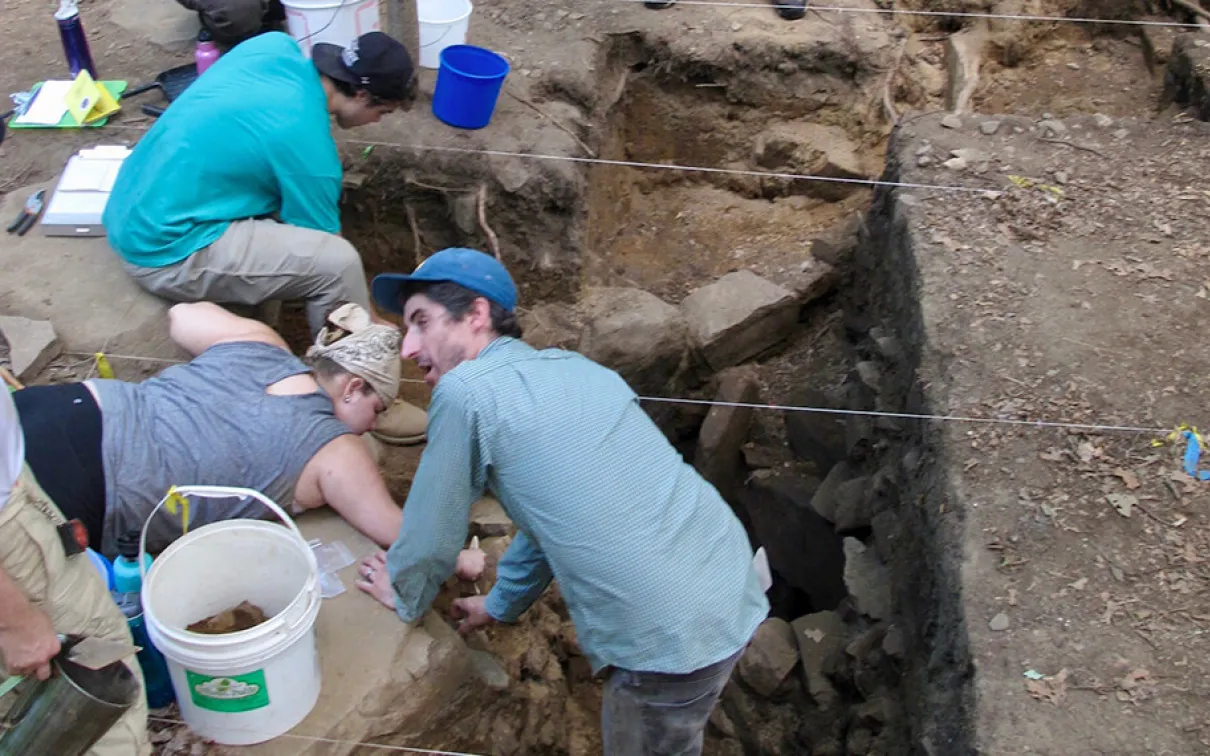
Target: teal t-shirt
x=250, y=138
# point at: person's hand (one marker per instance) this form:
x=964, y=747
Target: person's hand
x=29, y=643
x=471, y=564
x=376, y=580
x=473, y=613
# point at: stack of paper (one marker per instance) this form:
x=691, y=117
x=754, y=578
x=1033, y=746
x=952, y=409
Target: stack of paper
x=76, y=206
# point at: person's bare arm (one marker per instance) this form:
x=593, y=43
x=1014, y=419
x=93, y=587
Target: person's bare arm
x=197, y=326
x=343, y=476
x=27, y=638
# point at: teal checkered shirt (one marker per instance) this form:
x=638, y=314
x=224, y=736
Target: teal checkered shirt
x=655, y=568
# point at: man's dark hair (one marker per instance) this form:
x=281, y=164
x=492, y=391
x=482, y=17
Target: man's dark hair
x=458, y=300
x=351, y=90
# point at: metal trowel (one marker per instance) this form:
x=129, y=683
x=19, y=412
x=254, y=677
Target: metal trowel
x=94, y=653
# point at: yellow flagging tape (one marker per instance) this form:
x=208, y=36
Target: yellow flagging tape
x=103, y=368
x=177, y=503
x=1027, y=183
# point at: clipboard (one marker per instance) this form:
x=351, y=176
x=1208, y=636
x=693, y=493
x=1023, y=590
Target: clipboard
x=104, y=96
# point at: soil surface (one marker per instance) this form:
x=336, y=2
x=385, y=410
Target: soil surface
x=1084, y=307
x=1075, y=292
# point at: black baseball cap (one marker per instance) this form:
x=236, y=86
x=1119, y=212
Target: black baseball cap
x=374, y=62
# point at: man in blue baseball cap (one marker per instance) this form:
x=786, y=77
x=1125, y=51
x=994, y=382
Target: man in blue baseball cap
x=655, y=568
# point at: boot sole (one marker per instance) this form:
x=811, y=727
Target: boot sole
x=399, y=440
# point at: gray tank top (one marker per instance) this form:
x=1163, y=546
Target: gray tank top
x=207, y=422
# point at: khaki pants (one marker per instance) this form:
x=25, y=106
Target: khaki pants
x=257, y=261
x=72, y=593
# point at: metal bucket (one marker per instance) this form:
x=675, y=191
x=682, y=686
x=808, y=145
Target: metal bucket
x=69, y=712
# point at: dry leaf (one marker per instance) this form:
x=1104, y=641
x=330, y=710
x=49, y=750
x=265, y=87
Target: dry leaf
x=1080, y=584
x=1136, y=686
x=1128, y=477
x=1123, y=503
x=1052, y=455
x=1053, y=688
x=1087, y=452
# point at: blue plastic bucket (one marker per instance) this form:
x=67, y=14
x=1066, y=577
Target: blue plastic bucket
x=468, y=85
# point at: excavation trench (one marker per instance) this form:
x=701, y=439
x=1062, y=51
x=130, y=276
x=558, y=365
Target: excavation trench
x=826, y=675
x=865, y=651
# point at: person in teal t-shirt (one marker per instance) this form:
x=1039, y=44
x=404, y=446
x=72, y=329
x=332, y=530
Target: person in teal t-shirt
x=232, y=196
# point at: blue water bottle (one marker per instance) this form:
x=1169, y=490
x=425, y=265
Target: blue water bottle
x=128, y=585
x=75, y=43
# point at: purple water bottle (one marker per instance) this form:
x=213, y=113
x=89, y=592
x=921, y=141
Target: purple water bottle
x=75, y=44
x=206, y=52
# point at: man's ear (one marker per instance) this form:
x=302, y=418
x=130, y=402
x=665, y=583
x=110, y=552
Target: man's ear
x=481, y=314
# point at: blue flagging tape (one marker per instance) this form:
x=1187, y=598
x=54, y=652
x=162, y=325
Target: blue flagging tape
x=1193, y=456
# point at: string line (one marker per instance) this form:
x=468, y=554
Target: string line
x=654, y=166
x=943, y=14
x=914, y=416
x=333, y=741
x=819, y=410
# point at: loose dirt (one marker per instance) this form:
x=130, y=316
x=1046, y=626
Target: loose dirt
x=243, y=616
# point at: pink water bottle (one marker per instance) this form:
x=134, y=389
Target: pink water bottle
x=206, y=52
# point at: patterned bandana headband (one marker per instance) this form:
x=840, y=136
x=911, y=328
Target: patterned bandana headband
x=368, y=350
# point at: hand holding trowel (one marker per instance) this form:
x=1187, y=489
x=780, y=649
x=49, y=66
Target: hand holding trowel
x=93, y=653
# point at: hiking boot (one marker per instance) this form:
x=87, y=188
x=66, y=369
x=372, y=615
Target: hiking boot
x=402, y=424
x=791, y=10
x=659, y=4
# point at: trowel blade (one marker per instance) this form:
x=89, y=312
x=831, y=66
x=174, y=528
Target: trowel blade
x=96, y=653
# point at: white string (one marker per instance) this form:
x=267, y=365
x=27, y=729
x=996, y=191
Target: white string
x=657, y=166
x=913, y=416
x=821, y=410
x=941, y=14
x=334, y=741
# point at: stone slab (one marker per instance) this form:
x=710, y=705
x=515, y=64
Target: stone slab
x=164, y=23
x=718, y=456
x=635, y=333
x=79, y=285
x=488, y=519
x=739, y=316
x=382, y=680
x=1185, y=79
x=32, y=344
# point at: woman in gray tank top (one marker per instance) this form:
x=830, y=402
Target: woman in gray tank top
x=243, y=412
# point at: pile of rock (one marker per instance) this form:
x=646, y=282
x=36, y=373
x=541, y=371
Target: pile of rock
x=823, y=677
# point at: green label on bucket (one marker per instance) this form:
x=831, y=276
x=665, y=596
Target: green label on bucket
x=228, y=695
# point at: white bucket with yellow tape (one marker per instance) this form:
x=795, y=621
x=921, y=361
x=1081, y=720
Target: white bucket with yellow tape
x=256, y=684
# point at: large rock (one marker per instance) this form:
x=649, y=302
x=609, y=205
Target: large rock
x=826, y=497
x=867, y=579
x=802, y=546
x=168, y=25
x=635, y=333
x=79, y=285
x=488, y=519
x=813, y=149
x=32, y=344
x=552, y=324
x=382, y=680
x=718, y=456
x=963, y=56
x=738, y=317
x=816, y=437
x=1185, y=79
x=770, y=657
x=822, y=638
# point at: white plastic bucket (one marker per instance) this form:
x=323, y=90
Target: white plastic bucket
x=311, y=21
x=442, y=23
x=249, y=686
